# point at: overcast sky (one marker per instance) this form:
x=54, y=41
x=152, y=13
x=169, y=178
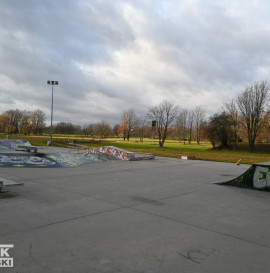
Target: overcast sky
x=113, y=55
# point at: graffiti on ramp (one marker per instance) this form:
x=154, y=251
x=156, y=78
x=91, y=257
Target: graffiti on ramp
x=256, y=177
x=51, y=160
x=12, y=144
x=118, y=153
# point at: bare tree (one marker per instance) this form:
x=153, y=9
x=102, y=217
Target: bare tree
x=91, y=128
x=164, y=114
x=14, y=121
x=129, y=120
x=117, y=129
x=232, y=111
x=26, y=124
x=264, y=135
x=123, y=127
x=64, y=128
x=4, y=123
x=182, y=123
x=85, y=130
x=38, y=121
x=141, y=125
x=199, y=116
x=103, y=129
x=251, y=104
x=190, y=124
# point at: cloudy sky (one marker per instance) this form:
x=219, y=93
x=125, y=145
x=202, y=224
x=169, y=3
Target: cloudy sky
x=113, y=55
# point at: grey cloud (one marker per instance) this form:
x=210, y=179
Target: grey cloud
x=207, y=48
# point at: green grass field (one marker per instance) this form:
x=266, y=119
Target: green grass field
x=171, y=148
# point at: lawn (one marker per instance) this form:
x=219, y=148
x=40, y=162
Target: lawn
x=172, y=148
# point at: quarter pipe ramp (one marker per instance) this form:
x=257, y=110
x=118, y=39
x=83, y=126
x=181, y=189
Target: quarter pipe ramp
x=256, y=177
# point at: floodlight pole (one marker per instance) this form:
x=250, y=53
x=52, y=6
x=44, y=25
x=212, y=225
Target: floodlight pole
x=52, y=83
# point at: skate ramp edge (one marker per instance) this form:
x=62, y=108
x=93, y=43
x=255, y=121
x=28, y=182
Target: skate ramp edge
x=256, y=177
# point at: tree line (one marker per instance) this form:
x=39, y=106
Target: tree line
x=243, y=118
x=24, y=122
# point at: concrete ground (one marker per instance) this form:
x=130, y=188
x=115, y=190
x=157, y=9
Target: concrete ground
x=164, y=215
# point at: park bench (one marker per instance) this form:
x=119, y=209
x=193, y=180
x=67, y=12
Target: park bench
x=27, y=148
x=4, y=183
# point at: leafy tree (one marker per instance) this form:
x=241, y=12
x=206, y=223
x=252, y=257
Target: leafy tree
x=220, y=126
x=232, y=111
x=210, y=133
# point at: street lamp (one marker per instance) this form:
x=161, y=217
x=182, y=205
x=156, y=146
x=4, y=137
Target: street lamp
x=52, y=83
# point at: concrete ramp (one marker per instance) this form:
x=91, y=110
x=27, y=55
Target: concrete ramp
x=120, y=153
x=46, y=160
x=12, y=144
x=256, y=177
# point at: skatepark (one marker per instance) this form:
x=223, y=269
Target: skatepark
x=160, y=215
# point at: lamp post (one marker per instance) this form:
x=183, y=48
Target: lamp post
x=52, y=83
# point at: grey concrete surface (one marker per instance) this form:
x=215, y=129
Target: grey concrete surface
x=6, y=183
x=165, y=215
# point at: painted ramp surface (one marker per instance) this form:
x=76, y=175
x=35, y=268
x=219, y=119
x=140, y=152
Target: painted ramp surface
x=40, y=160
x=53, y=160
x=118, y=153
x=256, y=177
x=61, y=159
x=11, y=144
